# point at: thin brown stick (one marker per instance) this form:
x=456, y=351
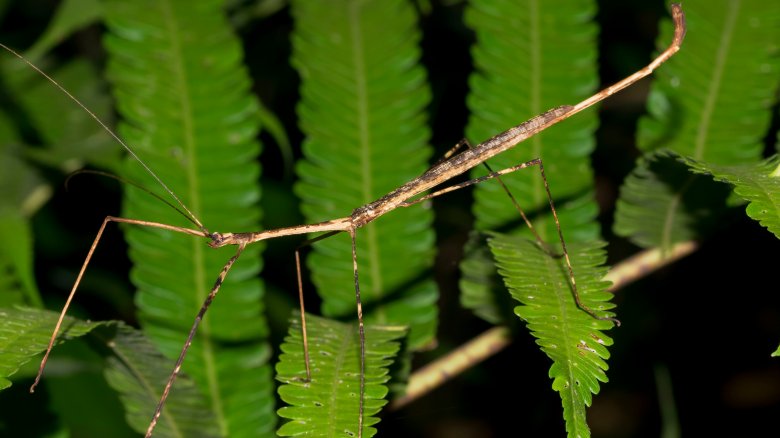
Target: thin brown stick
x=646, y=262
x=445, y=368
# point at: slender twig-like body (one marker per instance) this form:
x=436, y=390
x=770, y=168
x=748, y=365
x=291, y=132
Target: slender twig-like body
x=403, y=196
x=464, y=161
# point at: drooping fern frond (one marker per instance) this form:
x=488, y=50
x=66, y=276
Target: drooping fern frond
x=138, y=372
x=328, y=404
x=185, y=98
x=664, y=203
x=758, y=184
x=710, y=104
x=136, y=369
x=529, y=57
x=362, y=110
x=573, y=339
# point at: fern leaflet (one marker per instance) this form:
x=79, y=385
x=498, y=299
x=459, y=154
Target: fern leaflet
x=711, y=105
x=328, y=404
x=570, y=337
x=187, y=108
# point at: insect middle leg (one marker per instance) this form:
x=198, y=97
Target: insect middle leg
x=359, y=304
x=497, y=175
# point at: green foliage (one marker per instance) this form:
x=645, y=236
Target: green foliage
x=328, y=404
x=363, y=96
x=758, y=184
x=25, y=333
x=70, y=16
x=60, y=142
x=17, y=278
x=135, y=368
x=138, y=372
x=183, y=93
x=573, y=339
x=663, y=204
x=710, y=104
x=524, y=66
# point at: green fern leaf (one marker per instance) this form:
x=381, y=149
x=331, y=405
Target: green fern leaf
x=17, y=279
x=67, y=142
x=135, y=368
x=362, y=109
x=573, y=339
x=758, y=184
x=328, y=404
x=25, y=333
x=138, y=372
x=22, y=192
x=664, y=204
x=526, y=65
x=481, y=287
x=34, y=131
x=710, y=103
x=71, y=16
x=188, y=111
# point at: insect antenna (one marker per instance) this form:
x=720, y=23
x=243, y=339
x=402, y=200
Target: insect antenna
x=105, y=127
x=186, y=214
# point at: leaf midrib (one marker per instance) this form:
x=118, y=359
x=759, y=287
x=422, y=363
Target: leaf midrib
x=199, y=278
x=366, y=169
x=536, y=101
x=563, y=295
x=711, y=97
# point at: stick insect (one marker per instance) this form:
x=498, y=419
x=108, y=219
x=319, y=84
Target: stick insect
x=411, y=193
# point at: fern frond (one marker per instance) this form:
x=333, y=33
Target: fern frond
x=17, y=276
x=67, y=138
x=573, y=339
x=185, y=98
x=362, y=109
x=532, y=56
x=70, y=17
x=138, y=372
x=19, y=183
x=328, y=404
x=758, y=184
x=135, y=368
x=662, y=203
x=710, y=104
x=25, y=333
